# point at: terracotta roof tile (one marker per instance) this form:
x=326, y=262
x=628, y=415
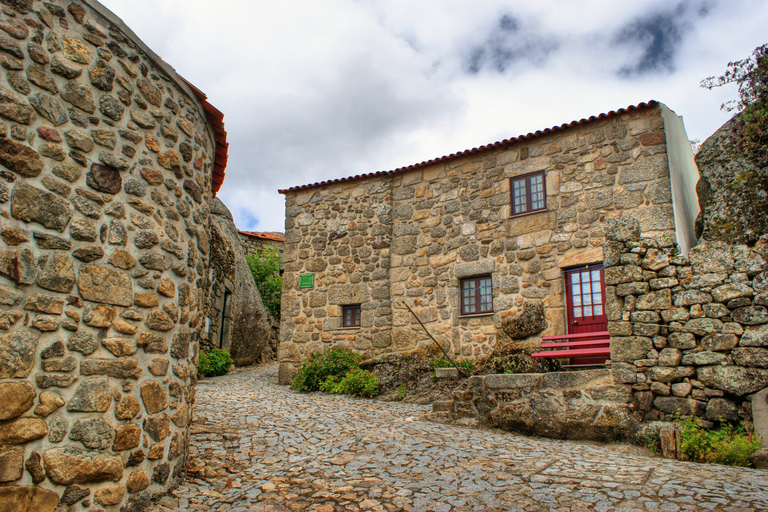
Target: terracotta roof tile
x=275, y=237
x=216, y=118
x=493, y=145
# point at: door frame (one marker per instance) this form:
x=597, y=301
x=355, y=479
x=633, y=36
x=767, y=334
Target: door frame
x=568, y=301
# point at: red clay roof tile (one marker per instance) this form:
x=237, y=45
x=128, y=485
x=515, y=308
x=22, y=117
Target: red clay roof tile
x=275, y=237
x=216, y=118
x=493, y=145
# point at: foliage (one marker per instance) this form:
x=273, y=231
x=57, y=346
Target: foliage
x=336, y=363
x=401, y=390
x=729, y=444
x=461, y=363
x=265, y=267
x=356, y=382
x=214, y=363
x=751, y=76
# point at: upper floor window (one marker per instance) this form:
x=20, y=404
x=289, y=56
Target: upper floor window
x=528, y=193
x=476, y=295
x=350, y=316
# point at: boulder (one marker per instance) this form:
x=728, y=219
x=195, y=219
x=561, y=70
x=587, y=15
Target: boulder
x=250, y=329
x=731, y=191
x=531, y=320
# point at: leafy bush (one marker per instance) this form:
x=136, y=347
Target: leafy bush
x=214, y=363
x=265, y=268
x=729, y=444
x=356, y=382
x=751, y=76
x=336, y=363
x=461, y=363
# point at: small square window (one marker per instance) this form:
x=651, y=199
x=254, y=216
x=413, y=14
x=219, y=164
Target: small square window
x=476, y=295
x=350, y=316
x=528, y=193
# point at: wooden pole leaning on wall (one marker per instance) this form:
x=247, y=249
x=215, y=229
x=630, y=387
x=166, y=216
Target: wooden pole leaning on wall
x=460, y=370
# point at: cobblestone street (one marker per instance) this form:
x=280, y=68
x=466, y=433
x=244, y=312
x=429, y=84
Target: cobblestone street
x=257, y=446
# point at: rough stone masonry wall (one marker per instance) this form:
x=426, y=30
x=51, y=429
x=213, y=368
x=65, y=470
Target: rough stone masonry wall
x=251, y=242
x=341, y=234
x=105, y=162
x=413, y=235
x=690, y=334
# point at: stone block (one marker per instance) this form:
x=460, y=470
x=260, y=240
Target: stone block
x=624, y=373
x=105, y=285
x=751, y=315
x=703, y=358
x=69, y=465
x=658, y=300
x=17, y=353
x=721, y=409
x=94, y=433
x=92, y=395
x=16, y=397
x=670, y=357
x=30, y=204
x=683, y=406
x=22, y=430
x=623, y=274
x=11, y=465
x=28, y=499
x=670, y=374
x=736, y=380
x=754, y=336
x=630, y=348
x=750, y=356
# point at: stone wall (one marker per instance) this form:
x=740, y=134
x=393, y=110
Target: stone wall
x=586, y=405
x=252, y=241
x=690, y=334
x=412, y=235
x=105, y=159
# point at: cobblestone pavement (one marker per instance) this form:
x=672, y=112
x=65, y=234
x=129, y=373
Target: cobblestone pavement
x=257, y=446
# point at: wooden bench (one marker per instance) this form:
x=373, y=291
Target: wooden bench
x=580, y=348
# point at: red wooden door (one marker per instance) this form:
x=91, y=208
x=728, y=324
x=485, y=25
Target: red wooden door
x=585, y=298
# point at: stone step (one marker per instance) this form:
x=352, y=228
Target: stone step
x=447, y=373
x=442, y=406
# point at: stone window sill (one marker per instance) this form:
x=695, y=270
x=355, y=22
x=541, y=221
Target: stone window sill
x=347, y=329
x=513, y=216
x=476, y=315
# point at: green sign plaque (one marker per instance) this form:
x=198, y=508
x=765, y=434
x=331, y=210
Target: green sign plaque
x=306, y=280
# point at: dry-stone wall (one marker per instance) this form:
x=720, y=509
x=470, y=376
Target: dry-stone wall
x=690, y=334
x=412, y=235
x=105, y=163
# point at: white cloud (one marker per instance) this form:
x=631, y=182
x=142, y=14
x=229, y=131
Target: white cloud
x=320, y=90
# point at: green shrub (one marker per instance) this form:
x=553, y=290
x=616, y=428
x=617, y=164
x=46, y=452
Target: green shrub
x=336, y=362
x=401, y=391
x=359, y=382
x=729, y=444
x=265, y=268
x=214, y=363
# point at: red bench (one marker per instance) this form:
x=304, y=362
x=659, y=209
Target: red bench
x=601, y=346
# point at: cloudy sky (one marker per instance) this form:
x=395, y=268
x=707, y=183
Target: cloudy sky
x=320, y=90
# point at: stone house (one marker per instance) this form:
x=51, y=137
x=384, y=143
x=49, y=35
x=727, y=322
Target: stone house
x=108, y=164
x=257, y=239
x=470, y=239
